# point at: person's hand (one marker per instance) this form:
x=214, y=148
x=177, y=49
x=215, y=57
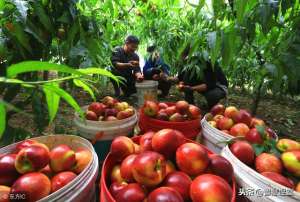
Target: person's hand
x=155, y=77
x=139, y=77
x=134, y=63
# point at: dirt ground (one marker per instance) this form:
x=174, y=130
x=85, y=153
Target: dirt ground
x=283, y=116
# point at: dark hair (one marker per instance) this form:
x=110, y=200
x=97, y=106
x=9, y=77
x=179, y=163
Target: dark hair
x=151, y=48
x=132, y=39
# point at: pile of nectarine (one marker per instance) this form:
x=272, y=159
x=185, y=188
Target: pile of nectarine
x=280, y=163
x=181, y=111
x=33, y=171
x=164, y=166
x=110, y=109
x=236, y=122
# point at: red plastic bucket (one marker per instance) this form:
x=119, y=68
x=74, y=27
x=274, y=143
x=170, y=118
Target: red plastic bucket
x=108, y=164
x=190, y=129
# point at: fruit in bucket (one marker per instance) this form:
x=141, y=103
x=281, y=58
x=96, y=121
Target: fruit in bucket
x=276, y=177
x=268, y=163
x=166, y=142
x=243, y=117
x=239, y=129
x=180, y=182
x=92, y=116
x=231, y=112
x=254, y=137
x=4, y=193
x=225, y=123
x=243, y=151
x=61, y=179
x=127, y=167
x=285, y=145
x=162, y=115
x=32, y=158
x=111, y=118
x=182, y=106
x=171, y=110
x=83, y=158
x=149, y=168
x=151, y=108
x=164, y=194
x=298, y=187
x=291, y=162
x=162, y=105
x=131, y=193
x=24, y=144
x=47, y=171
x=8, y=170
x=169, y=167
x=221, y=166
x=194, y=112
x=213, y=123
x=109, y=101
x=116, y=187
x=121, y=106
x=146, y=141
x=210, y=187
x=177, y=117
x=256, y=122
x=34, y=185
x=121, y=147
x=217, y=109
x=110, y=112
x=218, y=117
x=62, y=158
x=192, y=159
x=116, y=174
x=97, y=107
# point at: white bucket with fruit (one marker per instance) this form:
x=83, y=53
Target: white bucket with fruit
x=223, y=124
x=49, y=168
x=267, y=172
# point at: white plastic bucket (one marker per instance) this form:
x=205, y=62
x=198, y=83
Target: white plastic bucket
x=82, y=188
x=146, y=90
x=213, y=138
x=108, y=129
x=251, y=180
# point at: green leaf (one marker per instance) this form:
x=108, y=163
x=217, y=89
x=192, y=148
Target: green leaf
x=258, y=148
x=240, y=10
x=15, y=81
x=30, y=66
x=2, y=118
x=43, y=17
x=85, y=87
x=21, y=36
x=99, y=71
x=66, y=96
x=52, y=101
x=2, y=4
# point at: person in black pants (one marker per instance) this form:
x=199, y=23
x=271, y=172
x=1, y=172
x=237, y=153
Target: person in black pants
x=126, y=64
x=212, y=85
x=156, y=69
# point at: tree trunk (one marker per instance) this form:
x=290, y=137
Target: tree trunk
x=257, y=96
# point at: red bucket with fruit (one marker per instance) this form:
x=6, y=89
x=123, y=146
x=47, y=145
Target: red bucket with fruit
x=164, y=164
x=180, y=116
x=49, y=168
x=224, y=123
x=270, y=168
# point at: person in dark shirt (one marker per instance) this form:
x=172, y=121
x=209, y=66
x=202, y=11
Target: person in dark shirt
x=156, y=69
x=213, y=84
x=126, y=64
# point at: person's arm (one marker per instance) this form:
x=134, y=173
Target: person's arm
x=221, y=78
x=116, y=58
x=147, y=70
x=199, y=88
